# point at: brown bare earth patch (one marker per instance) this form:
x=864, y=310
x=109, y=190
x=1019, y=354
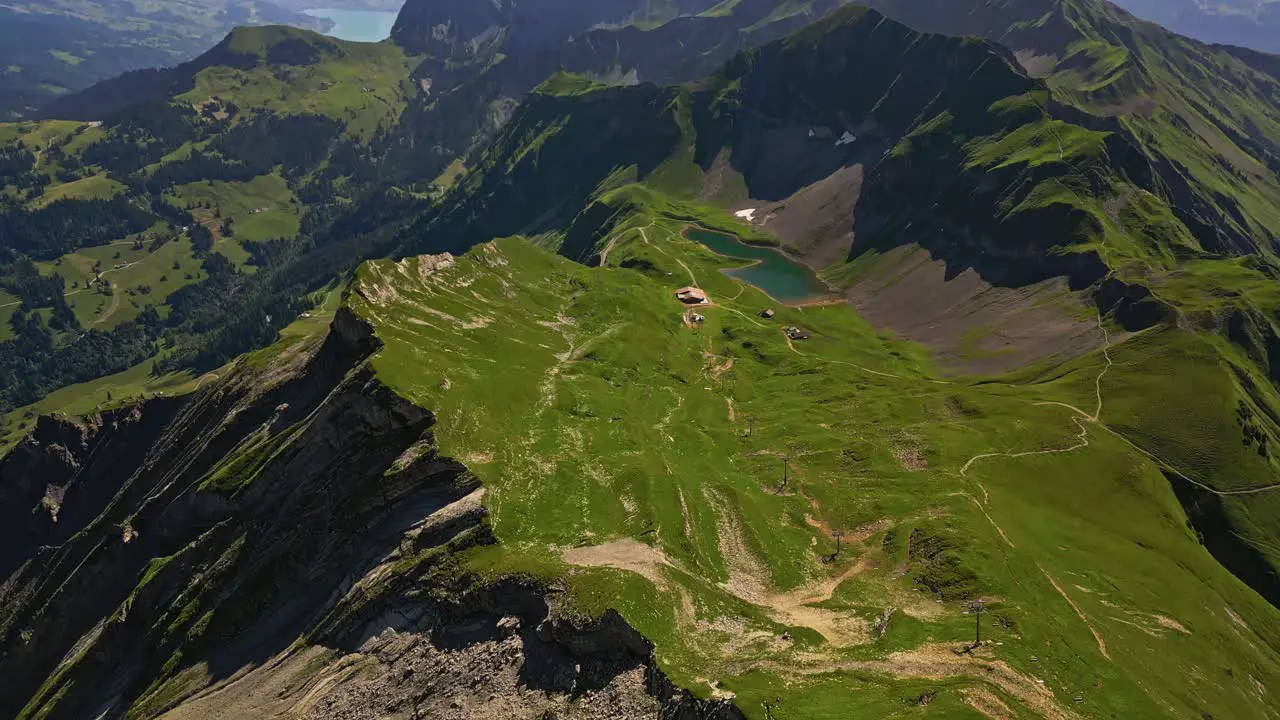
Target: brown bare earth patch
x=625, y=554
x=817, y=220
x=974, y=327
x=1168, y=622
x=1037, y=66
x=1141, y=107
x=938, y=661
x=719, y=178
x=911, y=458
x=749, y=580
x=987, y=703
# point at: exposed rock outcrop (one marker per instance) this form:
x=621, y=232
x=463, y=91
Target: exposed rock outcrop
x=295, y=516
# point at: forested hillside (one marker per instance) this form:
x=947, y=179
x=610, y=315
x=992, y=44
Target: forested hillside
x=123, y=238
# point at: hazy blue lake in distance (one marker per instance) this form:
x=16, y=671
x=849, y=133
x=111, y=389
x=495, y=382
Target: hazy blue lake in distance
x=358, y=25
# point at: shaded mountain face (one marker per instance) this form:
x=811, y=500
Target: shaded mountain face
x=50, y=49
x=1253, y=24
x=934, y=120
x=1215, y=142
x=459, y=29
x=481, y=59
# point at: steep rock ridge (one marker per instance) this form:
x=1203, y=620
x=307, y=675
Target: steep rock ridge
x=1205, y=117
x=482, y=59
x=461, y=29
x=484, y=652
x=66, y=472
x=297, y=498
x=169, y=501
x=932, y=122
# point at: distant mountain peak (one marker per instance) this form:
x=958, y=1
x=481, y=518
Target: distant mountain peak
x=273, y=44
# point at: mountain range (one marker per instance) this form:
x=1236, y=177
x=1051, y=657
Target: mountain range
x=53, y=47
x=358, y=380
x=1252, y=24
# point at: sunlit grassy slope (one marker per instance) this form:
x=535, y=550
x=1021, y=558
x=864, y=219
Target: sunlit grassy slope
x=364, y=85
x=261, y=209
x=640, y=458
x=137, y=277
x=139, y=382
x=275, y=71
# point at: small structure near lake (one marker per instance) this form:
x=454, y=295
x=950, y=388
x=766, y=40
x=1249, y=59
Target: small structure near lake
x=692, y=296
x=796, y=333
x=766, y=314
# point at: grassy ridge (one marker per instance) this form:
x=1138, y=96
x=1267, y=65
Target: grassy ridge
x=593, y=414
x=363, y=85
x=1016, y=186
x=50, y=49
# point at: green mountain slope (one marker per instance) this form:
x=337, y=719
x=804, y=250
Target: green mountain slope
x=525, y=479
x=630, y=463
x=992, y=178
x=1214, y=142
x=51, y=48
x=1247, y=23
x=123, y=233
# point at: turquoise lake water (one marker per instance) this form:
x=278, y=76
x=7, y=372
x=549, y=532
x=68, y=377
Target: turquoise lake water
x=783, y=278
x=358, y=25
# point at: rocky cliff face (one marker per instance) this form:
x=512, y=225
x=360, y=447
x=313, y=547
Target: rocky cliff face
x=483, y=58
x=462, y=29
x=296, y=509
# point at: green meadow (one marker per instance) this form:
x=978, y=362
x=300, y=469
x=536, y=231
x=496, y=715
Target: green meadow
x=639, y=458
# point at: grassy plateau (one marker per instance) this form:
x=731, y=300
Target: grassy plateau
x=640, y=458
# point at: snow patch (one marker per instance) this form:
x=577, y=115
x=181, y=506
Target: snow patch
x=847, y=138
x=748, y=214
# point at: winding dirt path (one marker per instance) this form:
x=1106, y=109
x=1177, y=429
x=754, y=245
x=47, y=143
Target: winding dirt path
x=645, y=236
x=1162, y=463
x=1082, y=421
x=1102, y=644
x=206, y=376
x=613, y=242
x=1081, y=418
x=111, y=309
x=867, y=370
x=77, y=292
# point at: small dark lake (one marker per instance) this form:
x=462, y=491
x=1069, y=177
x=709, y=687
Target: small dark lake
x=783, y=278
